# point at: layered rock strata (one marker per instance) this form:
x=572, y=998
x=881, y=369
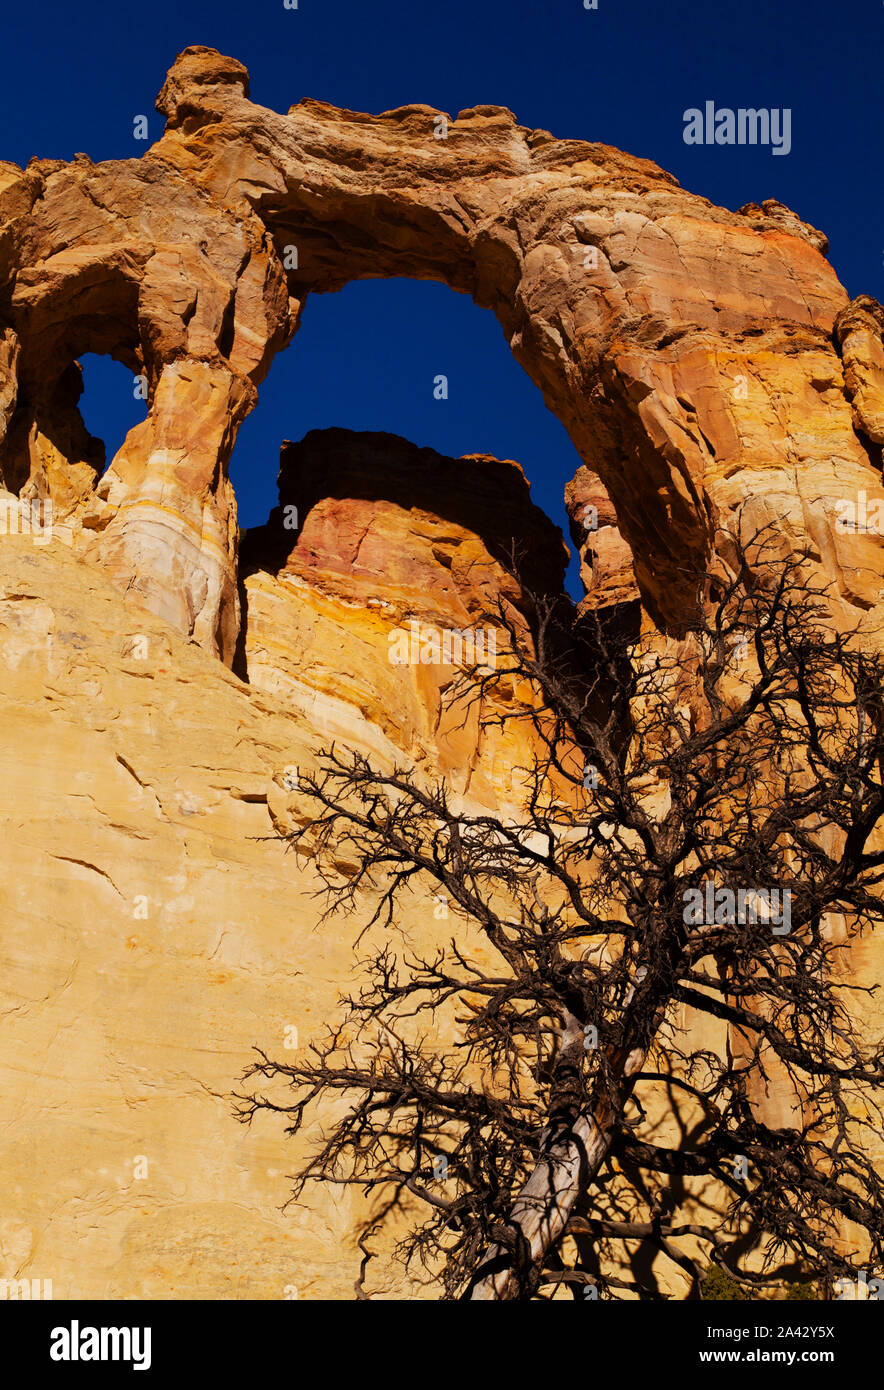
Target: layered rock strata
x=694, y=354
x=384, y=571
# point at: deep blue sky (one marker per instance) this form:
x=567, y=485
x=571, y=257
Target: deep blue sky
x=75, y=75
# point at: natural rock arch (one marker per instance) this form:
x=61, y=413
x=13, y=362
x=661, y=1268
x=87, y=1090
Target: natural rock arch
x=691, y=353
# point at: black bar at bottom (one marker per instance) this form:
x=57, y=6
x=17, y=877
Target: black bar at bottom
x=694, y=1341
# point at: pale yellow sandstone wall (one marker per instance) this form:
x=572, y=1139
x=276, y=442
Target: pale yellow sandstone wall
x=149, y=938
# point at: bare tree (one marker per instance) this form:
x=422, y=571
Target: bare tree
x=697, y=836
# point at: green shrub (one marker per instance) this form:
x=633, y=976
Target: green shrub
x=720, y=1287
x=802, y=1293
x=717, y=1286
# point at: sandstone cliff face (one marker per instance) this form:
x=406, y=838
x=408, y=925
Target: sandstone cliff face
x=154, y=926
x=164, y=678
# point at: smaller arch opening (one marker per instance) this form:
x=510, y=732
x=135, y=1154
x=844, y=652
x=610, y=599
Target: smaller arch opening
x=113, y=401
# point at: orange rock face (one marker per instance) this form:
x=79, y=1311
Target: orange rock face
x=380, y=559
x=606, y=564
x=694, y=354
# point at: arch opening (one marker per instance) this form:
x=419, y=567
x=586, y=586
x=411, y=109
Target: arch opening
x=113, y=401
x=409, y=358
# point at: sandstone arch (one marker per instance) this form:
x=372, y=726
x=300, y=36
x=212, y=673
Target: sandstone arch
x=691, y=353
x=702, y=360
